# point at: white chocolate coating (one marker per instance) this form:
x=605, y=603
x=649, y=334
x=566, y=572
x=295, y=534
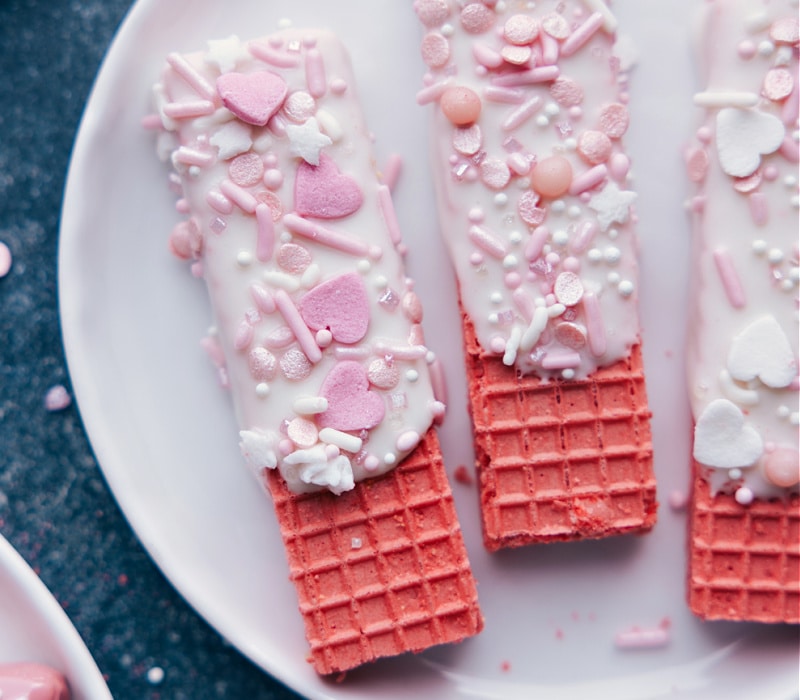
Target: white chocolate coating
x=743, y=342
x=547, y=276
x=316, y=326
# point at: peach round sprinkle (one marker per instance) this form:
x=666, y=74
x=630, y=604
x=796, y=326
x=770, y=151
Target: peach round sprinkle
x=476, y=18
x=778, y=84
x=520, y=30
x=302, y=432
x=412, y=307
x=461, y=105
x=432, y=12
x=570, y=335
x=246, y=170
x=697, y=164
x=495, y=173
x=566, y=92
x=555, y=26
x=614, y=120
x=745, y=185
x=262, y=363
x=594, y=147
x=300, y=106
x=782, y=467
x=568, y=288
x=529, y=210
x=435, y=50
x=516, y=55
x=785, y=31
x=552, y=176
x=293, y=258
x=382, y=375
x=467, y=141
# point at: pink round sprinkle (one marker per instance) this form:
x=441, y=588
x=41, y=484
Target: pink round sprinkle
x=323, y=337
x=571, y=264
x=570, y=335
x=614, y=120
x=179, y=244
x=262, y=364
x=568, y=288
x=552, y=176
x=460, y=105
x=382, y=375
x=338, y=86
x=771, y=173
x=467, y=140
x=246, y=170
x=785, y=31
x=520, y=29
x=495, y=173
x=300, y=106
x=566, y=92
x=528, y=208
x=303, y=432
x=476, y=18
x=746, y=49
x=435, y=50
x=594, y=147
x=778, y=84
x=293, y=258
x=497, y=345
x=555, y=25
x=516, y=55
x=5, y=259
x=273, y=178
x=512, y=280
x=57, y=398
x=782, y=467
x=475, y=258
x=432, y=12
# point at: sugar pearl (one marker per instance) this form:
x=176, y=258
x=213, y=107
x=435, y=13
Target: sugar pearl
x=552, y=176
x=460, y=105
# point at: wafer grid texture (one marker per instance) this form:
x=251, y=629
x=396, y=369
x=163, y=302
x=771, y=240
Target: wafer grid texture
x=562, y=460
x=382, y=569
x=745, y=560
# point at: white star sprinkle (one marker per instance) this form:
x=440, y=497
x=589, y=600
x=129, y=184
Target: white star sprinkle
x=306, y=140
x=225, y=53
x=612, y=205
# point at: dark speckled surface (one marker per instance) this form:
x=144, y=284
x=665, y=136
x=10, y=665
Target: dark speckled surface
x=55, y=507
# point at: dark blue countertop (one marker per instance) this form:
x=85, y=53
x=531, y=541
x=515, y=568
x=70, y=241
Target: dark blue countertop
x=55, y=507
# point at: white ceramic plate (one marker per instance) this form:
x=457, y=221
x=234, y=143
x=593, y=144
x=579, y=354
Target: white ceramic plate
x=35, y=628
x=164, y=433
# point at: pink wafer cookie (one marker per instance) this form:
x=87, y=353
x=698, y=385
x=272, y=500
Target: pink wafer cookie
x=318, y=337
x=529, y=112
x=744, y=537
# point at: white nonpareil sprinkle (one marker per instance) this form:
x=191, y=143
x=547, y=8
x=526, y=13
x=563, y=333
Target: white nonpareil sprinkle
x=155, y=675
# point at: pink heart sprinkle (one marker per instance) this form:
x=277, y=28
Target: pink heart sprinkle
x=253, y=97
x=340, y=305
x=351, y=405
x=324, y=191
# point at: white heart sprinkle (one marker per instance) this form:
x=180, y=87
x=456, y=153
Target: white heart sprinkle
x=743, y=136
x=762, y=351
x=721, y=439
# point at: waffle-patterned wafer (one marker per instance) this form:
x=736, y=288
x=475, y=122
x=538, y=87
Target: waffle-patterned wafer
x=381, y=569
x=532, y=188
x=744, y=536
x=318, y=337
x=560, y=460
x=745, y=561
